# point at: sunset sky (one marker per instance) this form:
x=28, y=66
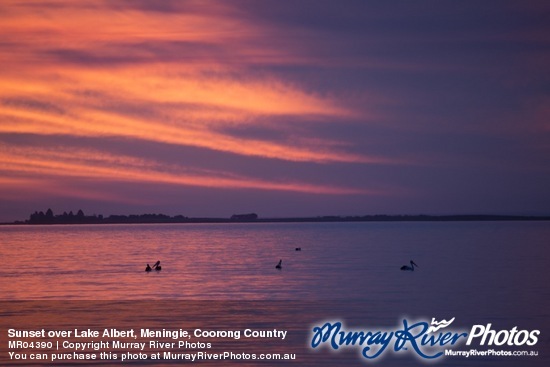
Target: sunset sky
x=283, y=108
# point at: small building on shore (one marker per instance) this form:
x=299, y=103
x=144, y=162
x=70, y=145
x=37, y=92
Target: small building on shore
x=244, y=217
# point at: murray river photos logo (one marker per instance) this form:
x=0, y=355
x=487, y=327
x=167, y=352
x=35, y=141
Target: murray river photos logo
x=427, y=341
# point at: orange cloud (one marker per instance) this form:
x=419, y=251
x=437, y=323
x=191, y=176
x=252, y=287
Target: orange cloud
x=82, y=163
x=183, y=78
x=51, y=59
x=190, y=111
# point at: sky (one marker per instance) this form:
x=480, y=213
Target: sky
x=282, y=108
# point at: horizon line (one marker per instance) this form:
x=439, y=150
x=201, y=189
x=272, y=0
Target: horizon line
x=40, y=218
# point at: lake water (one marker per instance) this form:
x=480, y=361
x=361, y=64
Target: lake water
x=478, y=272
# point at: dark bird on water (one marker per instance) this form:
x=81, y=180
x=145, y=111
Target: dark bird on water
x=298, y=249
x=409, y=268
x=148, y=268
x=157, y=266
x=279, y=265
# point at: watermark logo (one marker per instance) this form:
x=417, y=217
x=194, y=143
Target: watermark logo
x=428, y=341
x=439, y=325
x=513, y=337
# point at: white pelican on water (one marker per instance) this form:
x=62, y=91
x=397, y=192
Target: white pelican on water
x=409, y=268
x=279, y=265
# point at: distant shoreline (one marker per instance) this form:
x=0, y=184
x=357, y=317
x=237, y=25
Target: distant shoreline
x=160, y=218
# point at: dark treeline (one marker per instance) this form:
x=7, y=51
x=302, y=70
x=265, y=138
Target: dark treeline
x=80, y=218
x=50, y=218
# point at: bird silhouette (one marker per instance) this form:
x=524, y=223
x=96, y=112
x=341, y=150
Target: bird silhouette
x=409, y=268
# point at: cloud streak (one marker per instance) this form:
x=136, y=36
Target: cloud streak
x=187, y=109
x=95, y=165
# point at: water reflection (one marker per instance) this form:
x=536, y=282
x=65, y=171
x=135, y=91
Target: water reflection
x=476, y=272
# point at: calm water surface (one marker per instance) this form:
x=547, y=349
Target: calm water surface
x=475, y=271
x=497, y=261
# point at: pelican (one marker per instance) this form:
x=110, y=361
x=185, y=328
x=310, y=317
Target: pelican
x=409, y=268
x=279, y=265
x=147, y=268
x=157, y=266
